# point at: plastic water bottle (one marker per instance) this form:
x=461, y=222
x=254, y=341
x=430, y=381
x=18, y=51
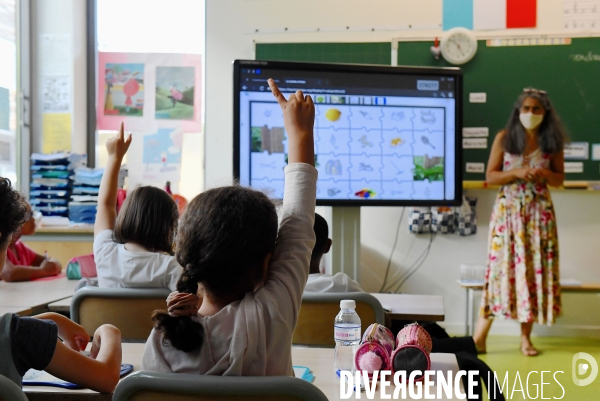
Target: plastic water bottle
x=347, y=333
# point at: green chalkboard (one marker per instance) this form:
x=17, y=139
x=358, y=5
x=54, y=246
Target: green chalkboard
x=569, y=73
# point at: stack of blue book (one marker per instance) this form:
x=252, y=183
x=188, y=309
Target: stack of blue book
x=50, y=186
x=84, y=198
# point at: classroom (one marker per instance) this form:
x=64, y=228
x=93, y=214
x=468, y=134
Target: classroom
x=74, y=76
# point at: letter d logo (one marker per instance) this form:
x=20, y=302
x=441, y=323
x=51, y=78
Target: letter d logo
x=583, y=368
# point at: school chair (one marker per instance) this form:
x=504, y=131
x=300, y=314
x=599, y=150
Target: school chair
x=9, y=391
x=153, y=386
x=318, y=310
x=129, y=309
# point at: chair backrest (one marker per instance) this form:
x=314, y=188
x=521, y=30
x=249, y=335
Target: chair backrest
x=9, y=391
x=129, y=309
x=153, y=386
x=318, y=311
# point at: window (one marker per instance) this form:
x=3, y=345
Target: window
x=8, y=91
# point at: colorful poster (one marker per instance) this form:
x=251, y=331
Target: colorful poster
x=172, y=100
x=521, y=13
x=175, y=93
x=457, y=13
x=124, y=89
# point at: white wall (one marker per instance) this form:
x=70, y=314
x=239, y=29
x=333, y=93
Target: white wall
x=231, y=33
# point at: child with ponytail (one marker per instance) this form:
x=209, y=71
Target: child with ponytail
x=249, y=274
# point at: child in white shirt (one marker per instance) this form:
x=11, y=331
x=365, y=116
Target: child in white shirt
x=251, y=276
x=135, y=248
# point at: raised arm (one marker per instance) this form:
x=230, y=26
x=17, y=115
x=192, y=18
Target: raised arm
x=298, y=120
x=495, y=175
x=107, y=197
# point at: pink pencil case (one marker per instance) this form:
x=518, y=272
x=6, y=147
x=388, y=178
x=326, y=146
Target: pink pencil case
x=375, y=349
x=413, y=346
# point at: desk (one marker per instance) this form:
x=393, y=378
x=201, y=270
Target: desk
x=19, y=310
x=62, y=306
x=319, y=360
x=471, y=287
x=62, y=242
x=413, y=307
x=35, y=295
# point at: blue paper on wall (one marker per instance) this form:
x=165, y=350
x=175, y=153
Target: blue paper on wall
x=457, y=13
x=4, y=108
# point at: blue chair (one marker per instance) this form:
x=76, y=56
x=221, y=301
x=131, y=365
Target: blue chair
x=155, y=386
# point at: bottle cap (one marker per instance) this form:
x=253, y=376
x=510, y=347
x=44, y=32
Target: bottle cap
x=348, y=304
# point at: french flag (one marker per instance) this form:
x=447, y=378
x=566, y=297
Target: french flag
x=489, y=14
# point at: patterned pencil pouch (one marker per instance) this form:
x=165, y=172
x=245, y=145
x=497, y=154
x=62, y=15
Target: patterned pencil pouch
x=375, y=349
x=413, y=346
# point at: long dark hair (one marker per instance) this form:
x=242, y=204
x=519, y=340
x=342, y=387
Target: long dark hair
x=552, y=136
x=224, y=236
x=148, y=218
x=13, y=209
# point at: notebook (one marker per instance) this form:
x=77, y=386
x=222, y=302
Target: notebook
x=42, y=378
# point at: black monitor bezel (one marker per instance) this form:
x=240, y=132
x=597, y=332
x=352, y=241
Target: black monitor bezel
x=367, y=68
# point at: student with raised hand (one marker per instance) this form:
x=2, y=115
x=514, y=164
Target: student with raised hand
x=35, y=342
x=250, y=274
x=320, y=282
x=135, y=248
x=22, y=263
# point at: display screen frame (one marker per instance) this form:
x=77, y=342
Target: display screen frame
x=455, y=73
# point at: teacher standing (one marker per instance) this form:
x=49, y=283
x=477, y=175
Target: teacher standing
x=522, y=276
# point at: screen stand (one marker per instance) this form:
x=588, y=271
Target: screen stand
x=345, y=232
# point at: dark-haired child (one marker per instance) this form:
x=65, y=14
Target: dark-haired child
x=320, y=282
x=251, y=276
x=34, y=342
x=22, y=262
x=135, y=248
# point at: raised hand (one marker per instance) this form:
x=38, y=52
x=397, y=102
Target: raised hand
x=298, y=120
x=117, y=146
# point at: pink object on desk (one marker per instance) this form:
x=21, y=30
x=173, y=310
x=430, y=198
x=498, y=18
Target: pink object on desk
x=61, y=275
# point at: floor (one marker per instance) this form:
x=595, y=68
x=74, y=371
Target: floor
x=556, y=354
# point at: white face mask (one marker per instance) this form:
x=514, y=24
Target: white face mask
x=531, y=121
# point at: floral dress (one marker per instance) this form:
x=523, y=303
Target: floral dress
x=522, y=277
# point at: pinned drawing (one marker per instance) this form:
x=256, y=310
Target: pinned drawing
x=124, y=89
x=175, y=93
x=163, y=148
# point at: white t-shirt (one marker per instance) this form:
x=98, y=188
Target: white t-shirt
x=340, y=282
x=119, y=268
x=253, y=336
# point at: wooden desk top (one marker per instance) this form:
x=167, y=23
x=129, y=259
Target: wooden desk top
x=79, y=229
x=35, y=294
x=319, y=360
x=413, y=307
x=19, y=310
x=64, y=305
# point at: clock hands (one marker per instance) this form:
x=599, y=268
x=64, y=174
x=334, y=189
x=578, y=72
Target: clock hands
x=458, y=46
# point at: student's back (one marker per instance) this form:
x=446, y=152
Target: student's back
x=320, y=282
x=135, y=248
x=251, y=276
